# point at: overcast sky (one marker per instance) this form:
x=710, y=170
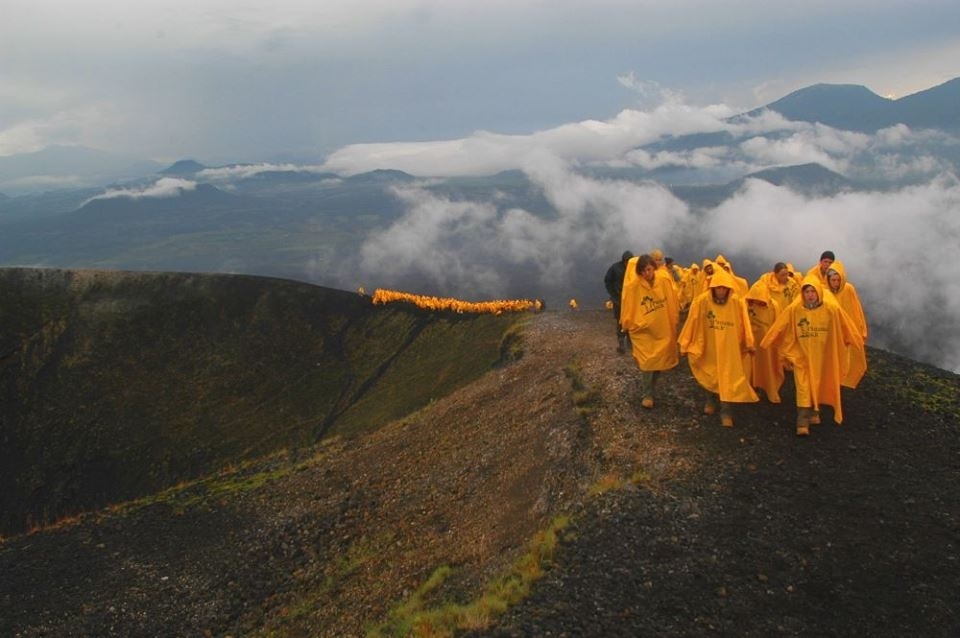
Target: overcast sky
x=228, y=81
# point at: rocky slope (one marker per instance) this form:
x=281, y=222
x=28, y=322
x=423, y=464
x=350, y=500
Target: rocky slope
x=116, y=384
x=678, y=526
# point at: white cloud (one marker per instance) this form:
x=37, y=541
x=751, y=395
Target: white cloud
x=649, y=94
x=789, y=152
x=246, y=171
x=487, y=153
x=163, y=187
x=470, y=248
x=898, y=248
x=707, y=157
x=815, y=143
x=773, y=141
x=65, y=127
x=247, y=81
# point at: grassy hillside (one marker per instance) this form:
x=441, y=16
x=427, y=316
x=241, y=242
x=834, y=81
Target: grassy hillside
x=540, y=499
x=114, y=385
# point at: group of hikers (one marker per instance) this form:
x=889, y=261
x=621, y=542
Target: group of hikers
x=740, y=339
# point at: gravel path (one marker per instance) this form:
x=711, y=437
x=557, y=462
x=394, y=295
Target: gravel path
x=854, y=531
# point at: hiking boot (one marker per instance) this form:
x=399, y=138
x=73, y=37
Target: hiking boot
x=726, y=420
x=647, y=402
x=803, y=421
x=709, y=408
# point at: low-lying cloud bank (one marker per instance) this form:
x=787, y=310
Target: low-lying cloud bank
x=162, y=188
x=899, y=249
x=477, y=248
x=763, y=141
x=898, y=246
x=896, y=233
x=486, y=153
x=246, y=171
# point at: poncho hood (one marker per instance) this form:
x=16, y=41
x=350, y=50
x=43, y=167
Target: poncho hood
x=838, y=267
x=816, y=282
x=760, y=291
x=722, y=278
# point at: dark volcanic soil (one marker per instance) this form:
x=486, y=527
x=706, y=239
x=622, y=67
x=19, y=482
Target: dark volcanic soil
x=704, y=531
x=852, y=532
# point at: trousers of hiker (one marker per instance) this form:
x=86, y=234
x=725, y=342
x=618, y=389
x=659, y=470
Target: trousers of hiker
x=649, y=314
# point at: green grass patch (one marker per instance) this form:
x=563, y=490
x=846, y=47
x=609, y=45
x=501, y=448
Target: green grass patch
x=935, y=391
x=586, y=400
x=309, y=599
x=449, y=352
x=606, y=483
x=244, y=477
x=417, y=617
x=511, y=343
x=118, y=385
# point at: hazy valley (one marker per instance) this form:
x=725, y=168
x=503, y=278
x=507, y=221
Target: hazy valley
x=849, y=171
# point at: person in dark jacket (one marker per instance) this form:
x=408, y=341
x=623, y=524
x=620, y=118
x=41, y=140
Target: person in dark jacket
x=613, y=281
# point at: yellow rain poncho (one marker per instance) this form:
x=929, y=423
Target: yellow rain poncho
x=766, y=367
x=715, y=338
x=705, y=276
x=690, y=287
x=814, y=341
x=740, y=284
x=662, y=270
x=649, y=313
x=816, y=270
x=848, y=299
x=783, y=294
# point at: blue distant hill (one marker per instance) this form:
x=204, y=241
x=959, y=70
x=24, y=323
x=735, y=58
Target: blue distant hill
x=853, y=107
x=183, y=167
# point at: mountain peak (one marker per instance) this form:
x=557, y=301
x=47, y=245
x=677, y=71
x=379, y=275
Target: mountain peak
x=382, y=175
x=810, y=179
x=851, y=107
x=854, y=107
x=183, y=167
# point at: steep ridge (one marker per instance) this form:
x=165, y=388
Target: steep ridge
x=681, y=527
x=853, y=107
x=116, y=385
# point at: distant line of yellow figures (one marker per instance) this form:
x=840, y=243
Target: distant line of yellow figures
x=381, y=296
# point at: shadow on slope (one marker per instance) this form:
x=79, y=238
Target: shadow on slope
x=679, y=526
x=115, y=385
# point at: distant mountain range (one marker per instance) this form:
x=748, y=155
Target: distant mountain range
x=183, y=167
x=853, y=107
x=843, y=106
x=298, y=222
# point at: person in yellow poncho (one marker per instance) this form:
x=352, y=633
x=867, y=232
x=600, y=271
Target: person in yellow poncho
x=660, y=267
x=740, y=284
x=690, y=287
x=781, y=284
x=813, y=334
x=649, y=313
x=846, y=295
x=716, y=339
x=705, y=274
x=766, y=367
x=820, y=269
